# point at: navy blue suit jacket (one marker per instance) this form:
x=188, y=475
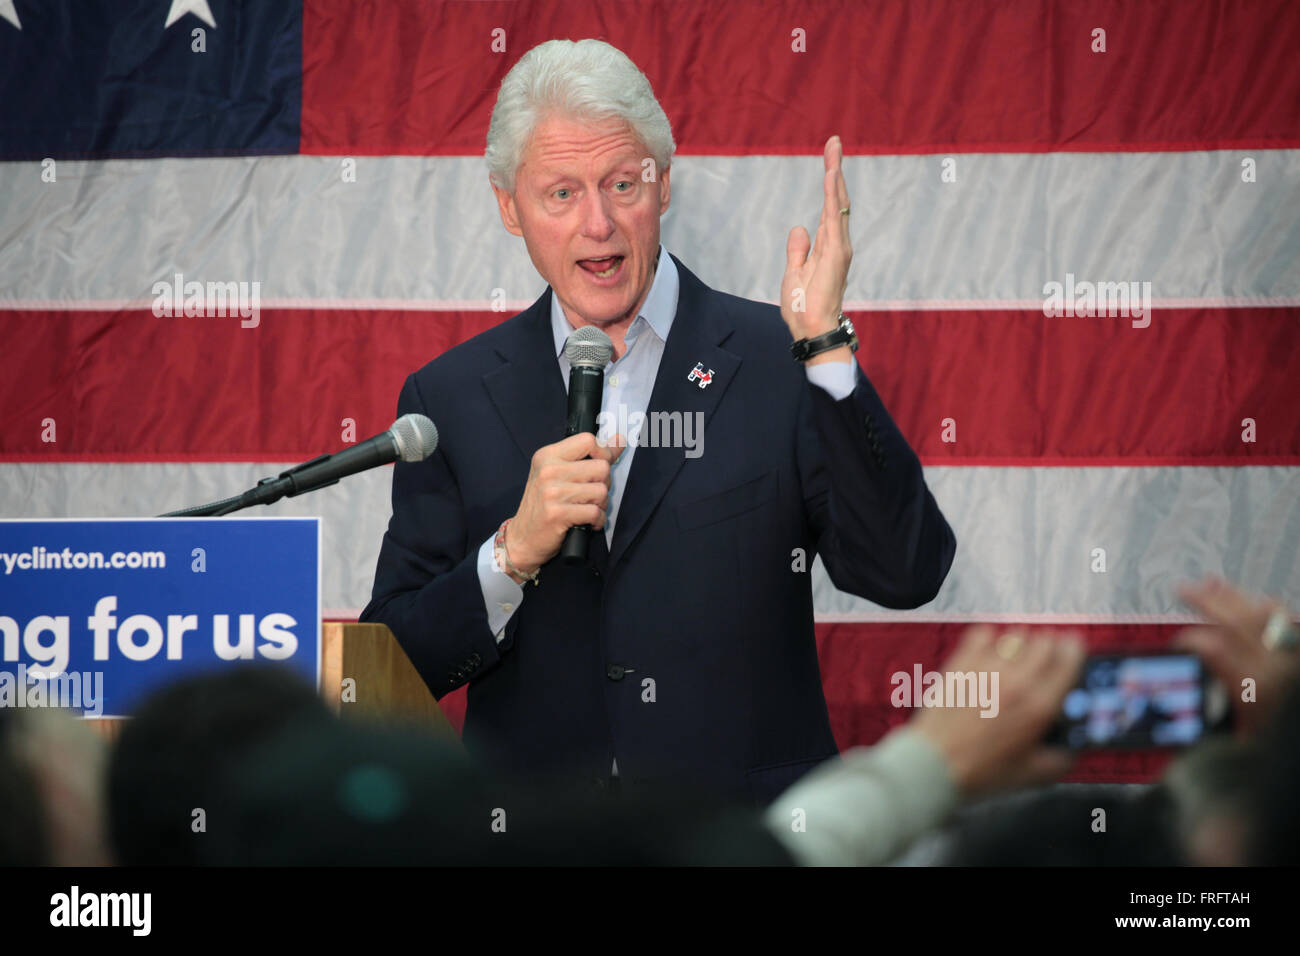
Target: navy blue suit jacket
x=686, y=650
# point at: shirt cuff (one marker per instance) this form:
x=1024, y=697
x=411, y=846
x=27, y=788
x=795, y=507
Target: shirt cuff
x=865, y=808
x=835, y=378
x=501, y=595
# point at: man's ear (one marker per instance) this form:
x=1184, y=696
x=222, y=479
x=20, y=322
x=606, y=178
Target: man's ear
x=509, y=214
x=665, y=193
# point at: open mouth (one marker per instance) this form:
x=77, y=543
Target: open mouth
x=602, y=268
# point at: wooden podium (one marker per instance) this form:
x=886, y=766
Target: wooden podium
x=384, y=683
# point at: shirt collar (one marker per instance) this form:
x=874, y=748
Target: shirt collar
x=658, y=310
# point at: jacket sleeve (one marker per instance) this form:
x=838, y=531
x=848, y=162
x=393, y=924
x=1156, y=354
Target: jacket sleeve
x=427, y=587
x=879, y=531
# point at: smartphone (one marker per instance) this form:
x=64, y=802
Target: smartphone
x=1140, y=701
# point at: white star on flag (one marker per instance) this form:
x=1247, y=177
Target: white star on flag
x=178, y=9
x=8, y=12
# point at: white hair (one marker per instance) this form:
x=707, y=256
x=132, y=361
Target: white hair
x=586, y=79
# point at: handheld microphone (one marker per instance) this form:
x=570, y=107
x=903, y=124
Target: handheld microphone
x=411, y=438
x=588, y=350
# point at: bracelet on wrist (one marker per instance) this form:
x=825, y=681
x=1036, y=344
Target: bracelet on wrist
x=503, y=558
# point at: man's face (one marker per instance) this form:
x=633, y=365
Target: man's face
x=589, y=219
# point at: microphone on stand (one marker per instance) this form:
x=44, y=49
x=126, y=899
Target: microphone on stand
x=411, y=438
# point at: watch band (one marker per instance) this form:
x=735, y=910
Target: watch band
x=843, y=334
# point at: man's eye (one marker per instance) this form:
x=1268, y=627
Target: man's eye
x=623, y=183
x=561, y=194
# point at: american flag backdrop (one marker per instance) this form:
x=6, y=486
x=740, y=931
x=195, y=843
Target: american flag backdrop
x=331, y=151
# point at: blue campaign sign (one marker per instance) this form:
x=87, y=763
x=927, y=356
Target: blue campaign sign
x=96, y=614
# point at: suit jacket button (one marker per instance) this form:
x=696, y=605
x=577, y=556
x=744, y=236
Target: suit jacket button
x=615, y=672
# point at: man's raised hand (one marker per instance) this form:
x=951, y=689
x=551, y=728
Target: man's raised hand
x=812, y=291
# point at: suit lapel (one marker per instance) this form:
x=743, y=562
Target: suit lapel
x=528, y=389
x=699, y=328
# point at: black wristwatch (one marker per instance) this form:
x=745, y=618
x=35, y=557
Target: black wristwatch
x=805, y=349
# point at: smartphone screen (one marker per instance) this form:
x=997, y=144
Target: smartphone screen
x=1136, y=701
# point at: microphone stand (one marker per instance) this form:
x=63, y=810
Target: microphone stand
x=265, y=492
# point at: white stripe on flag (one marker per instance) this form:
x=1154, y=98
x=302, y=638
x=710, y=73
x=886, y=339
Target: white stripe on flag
x=1025, y=536
x=423, y=232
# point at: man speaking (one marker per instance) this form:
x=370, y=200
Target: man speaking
x=680, y=650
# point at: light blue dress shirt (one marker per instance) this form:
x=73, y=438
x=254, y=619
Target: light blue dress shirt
x=629, y=381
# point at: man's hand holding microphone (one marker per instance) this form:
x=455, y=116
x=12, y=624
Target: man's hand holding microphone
x=568, y=486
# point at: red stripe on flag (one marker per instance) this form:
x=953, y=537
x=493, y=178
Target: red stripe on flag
x=1022, y=388
x=129, y=387
x=1019, y=388
x=857, y=661
x=890, y=76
